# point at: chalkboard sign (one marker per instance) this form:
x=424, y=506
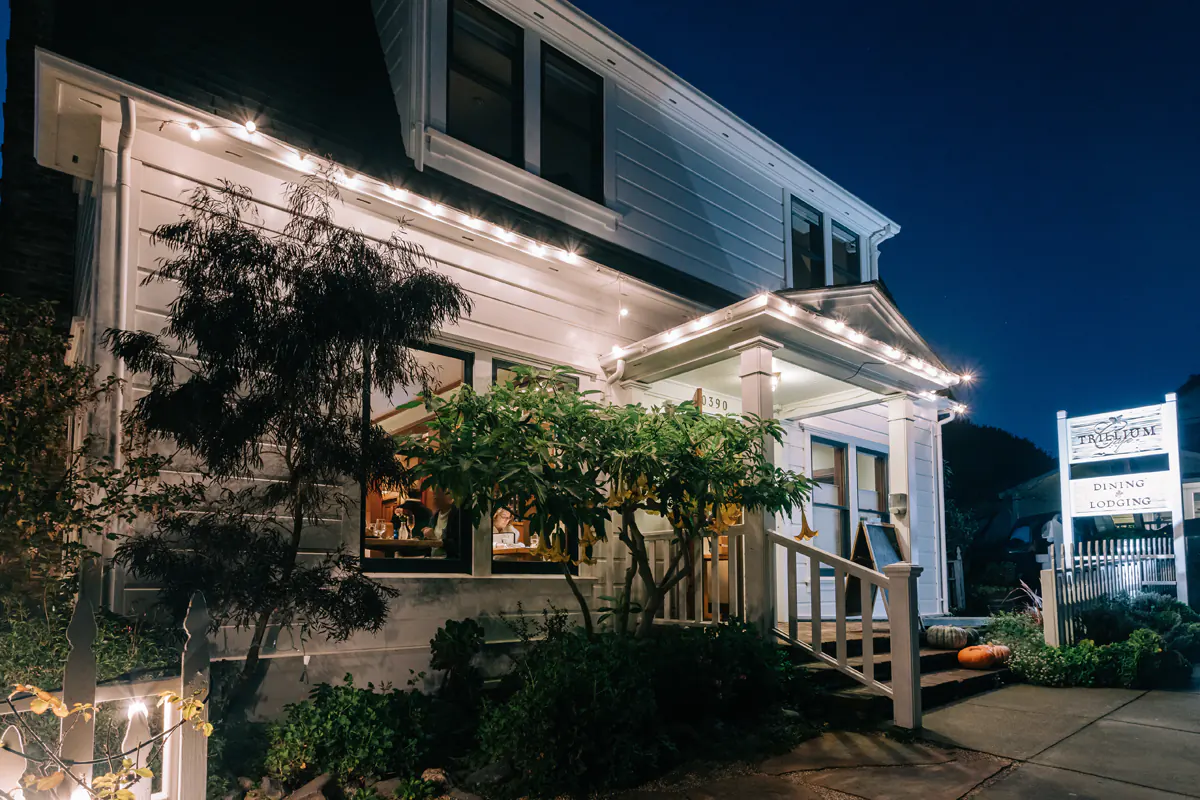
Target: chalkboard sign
x=875, y=547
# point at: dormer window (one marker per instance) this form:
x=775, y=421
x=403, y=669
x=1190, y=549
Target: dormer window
x=484, y=103
x=847, y=259
x=808, y=247
x=572, y=125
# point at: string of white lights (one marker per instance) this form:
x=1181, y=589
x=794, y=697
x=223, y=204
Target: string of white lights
x=250, y=132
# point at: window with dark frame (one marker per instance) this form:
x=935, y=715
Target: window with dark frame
x=808, y=247
x=830, y=498
x=872, y=485
x=512, y=541
x=572, y=134
x=847, y=256
x=484, y=86
x=407, y=529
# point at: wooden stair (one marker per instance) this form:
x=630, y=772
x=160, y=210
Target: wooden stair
x=942, y=679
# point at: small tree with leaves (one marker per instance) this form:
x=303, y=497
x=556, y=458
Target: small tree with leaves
x=579, y=470
x=266, y=364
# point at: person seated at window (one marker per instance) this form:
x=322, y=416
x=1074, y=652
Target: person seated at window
x=445, y=524
x=503, y=531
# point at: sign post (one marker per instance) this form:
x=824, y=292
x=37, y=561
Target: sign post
x=1146, y=488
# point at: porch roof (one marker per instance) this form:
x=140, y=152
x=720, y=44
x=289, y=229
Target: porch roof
x=854, y=334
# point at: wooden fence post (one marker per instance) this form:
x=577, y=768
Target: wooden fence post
x=79, y=686
x=12, y=766
x=1049, y=607
x=193, y=745
x=904, y=624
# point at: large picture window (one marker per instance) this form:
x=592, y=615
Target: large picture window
x=872, y=485
x=808, y=247
x=405, y=528
x=514, y=546
x=484, y=86
x=572, y=125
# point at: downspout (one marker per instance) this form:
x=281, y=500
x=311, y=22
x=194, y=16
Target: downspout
x=124, y=168
x=940, y=476
x=618, y=373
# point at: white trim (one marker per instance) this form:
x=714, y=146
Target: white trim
x=419, y=74
x=439, y=32
x=577, y=33
x=470, y=164
x=531, y=101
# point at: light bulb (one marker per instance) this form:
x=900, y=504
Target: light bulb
x=855, y=336
x=672, y=335
x=703, y=323
x=624, y=312
x=138, y=707
x=251, y=127
x=537, y=249
x=569, y=257
x=196, y=133
x=617, y=351
x=434, y=208
x=834, y=325
x=789, y=309
x=474, y=222
x=966, y=377
x=505, y=235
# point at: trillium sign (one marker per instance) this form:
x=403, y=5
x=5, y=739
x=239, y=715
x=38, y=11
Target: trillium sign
x=1123, y=462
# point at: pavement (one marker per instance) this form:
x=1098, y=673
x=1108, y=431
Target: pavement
x=1009, y=744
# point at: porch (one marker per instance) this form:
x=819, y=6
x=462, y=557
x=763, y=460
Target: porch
x=858, y=393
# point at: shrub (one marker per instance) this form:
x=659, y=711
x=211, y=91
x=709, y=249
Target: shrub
x=584, y=717
x=354, y=734
x=1186, y=639
x=453, y=650
x=1014, y=630
x=1115, y=618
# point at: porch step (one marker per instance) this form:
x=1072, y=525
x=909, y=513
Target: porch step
x=937, y=689
x=828, y=676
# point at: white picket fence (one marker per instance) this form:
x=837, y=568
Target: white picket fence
x=184, y=768
x=1079, y=578
x=899, y=581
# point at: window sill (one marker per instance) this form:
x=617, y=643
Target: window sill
x=449, y=155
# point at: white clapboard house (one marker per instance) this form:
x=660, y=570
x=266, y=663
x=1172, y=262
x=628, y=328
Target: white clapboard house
x=602, y=213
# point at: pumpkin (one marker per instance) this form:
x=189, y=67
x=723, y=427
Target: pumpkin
x=983, y=656
x=947, y=637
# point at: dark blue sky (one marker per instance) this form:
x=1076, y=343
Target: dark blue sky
x=1042, y=157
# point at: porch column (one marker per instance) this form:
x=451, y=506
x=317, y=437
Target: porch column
x=758, y=397
x=902, y=434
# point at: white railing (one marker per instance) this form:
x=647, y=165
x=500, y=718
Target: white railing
x=805, y=620
x=184, y=753
x=713, y=592
x=1086, y=573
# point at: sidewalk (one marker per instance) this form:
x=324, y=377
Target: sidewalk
x=1096, y=743
x=1010, y=744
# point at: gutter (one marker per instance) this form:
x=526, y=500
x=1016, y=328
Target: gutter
x=940, y=509
x=124, y=168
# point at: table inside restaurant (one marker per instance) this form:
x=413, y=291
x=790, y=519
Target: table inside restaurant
x=402, y=547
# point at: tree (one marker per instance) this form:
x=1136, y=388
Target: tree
x=56, y=493
x=265, y=366
x=574, y=468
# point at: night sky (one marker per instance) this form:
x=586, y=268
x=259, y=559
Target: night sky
x=1043, y=159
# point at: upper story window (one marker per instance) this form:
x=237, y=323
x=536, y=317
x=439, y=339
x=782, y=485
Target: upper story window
x=572, y=125
x=847, y=260
x=808, y=247
x=484, y=103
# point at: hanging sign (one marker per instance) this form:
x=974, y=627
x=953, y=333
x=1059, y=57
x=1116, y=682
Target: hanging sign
x=1120, y=434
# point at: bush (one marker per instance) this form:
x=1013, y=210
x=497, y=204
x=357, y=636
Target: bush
x=355, y=735
x=1186, y=639
x=583, y=718
x=1114, y=619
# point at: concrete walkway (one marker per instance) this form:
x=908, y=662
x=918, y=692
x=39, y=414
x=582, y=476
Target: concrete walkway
x=1076, y=743
x=1013, y=743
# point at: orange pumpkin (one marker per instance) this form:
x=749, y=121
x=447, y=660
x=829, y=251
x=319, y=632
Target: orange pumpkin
x=1002, y=652
x=980, y=656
